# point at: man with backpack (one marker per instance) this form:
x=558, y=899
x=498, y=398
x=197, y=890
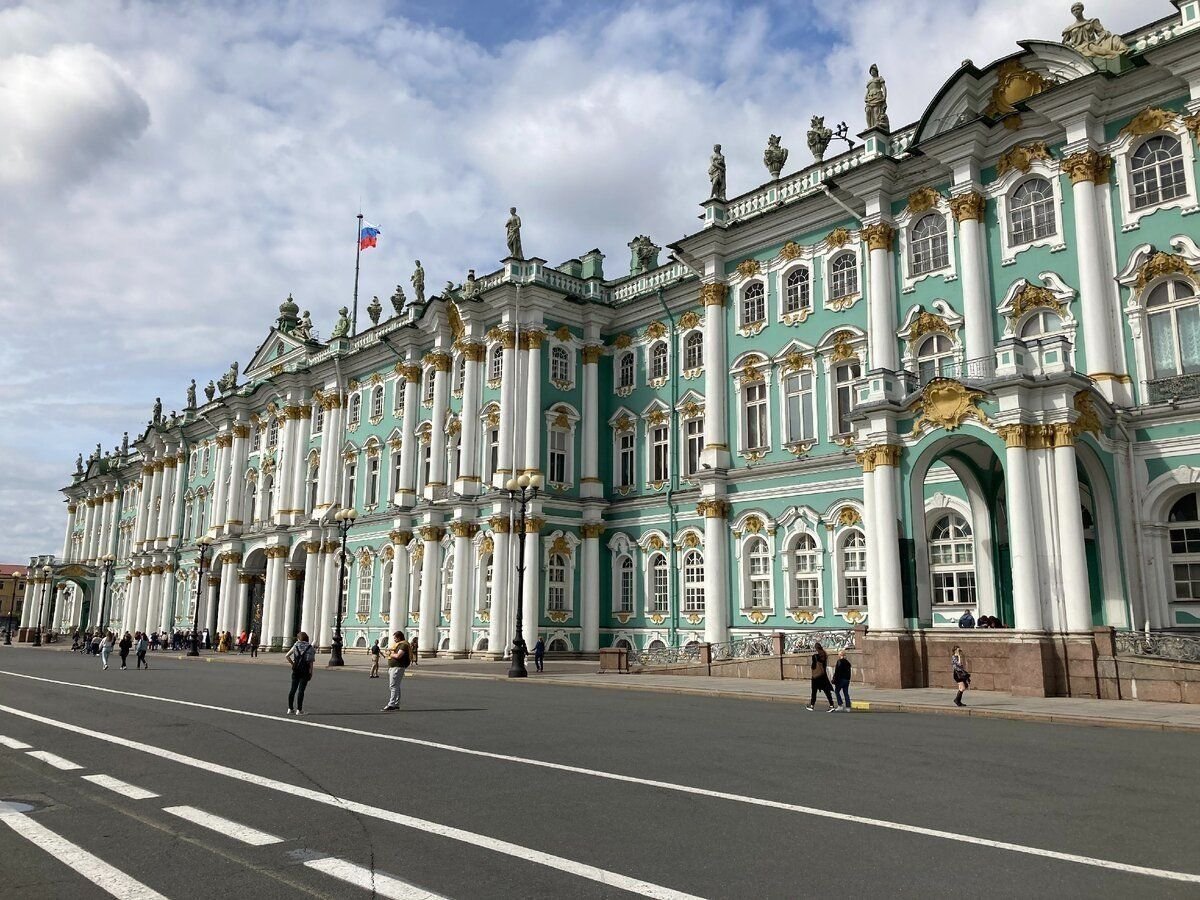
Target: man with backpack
x=399, y=656
x=302, y=656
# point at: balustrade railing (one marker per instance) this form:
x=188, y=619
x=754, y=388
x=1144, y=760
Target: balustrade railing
x=1177, y=387
x=1159, y=645
x=804, y=641
x=666, y=656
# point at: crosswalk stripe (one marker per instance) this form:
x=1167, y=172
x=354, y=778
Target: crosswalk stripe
x=94, y=869
x=54, y=760
x=378, y=883
x=243, y=833
x=124, y=788
x=13, y=743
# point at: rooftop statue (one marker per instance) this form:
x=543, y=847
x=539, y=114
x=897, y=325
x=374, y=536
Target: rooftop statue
x=125, y=444
x=775, y=156
x=191, y=395
x=375, y=309
x=418, y=283
x=876, y=101
x=469, y=287
x=210, y=390
x=228, y=381
x=398, y=300
x=1092, y=39
x=819, y=137
x=716, y=173
x=513, y=232
x=79, y=464
x=304, y=329
x=341, y=328
x=644, y=253
x=157, y=410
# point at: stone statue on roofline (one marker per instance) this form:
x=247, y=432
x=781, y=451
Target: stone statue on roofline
x=469, y=286
x=304, y=328
x=645, y=254
x=375, y=310
x=79, y=464
x=819, y=137
x=157, y=410
x=341, y=328
x=191, y=395
x=1091, y=39
x=125, y=444
x=398, y=300
x=210, y=390
x=716, y=173
x=876, y=101
x=512, y=230
x=228, y=381
x=418, y=283
x=775, y=156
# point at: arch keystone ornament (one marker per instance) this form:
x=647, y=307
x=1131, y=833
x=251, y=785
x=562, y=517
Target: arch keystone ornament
x=1031, y=296
x=1160, y=264
x=791, y=250
x=927, y=323
x=748, y=268
x=849, y=517
x=946, y=403
x=837, y=238
x=1022, y=157
x=922, y=200
x=1150, y=120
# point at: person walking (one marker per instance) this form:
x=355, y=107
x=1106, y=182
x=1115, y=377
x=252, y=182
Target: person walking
x=96, y=639
x=958, y=671
x=820, y=677
x=143, y=644
x=105, y=649
x=207, y=640
x=125, y=646
x=302, y=656
x=841, y=681
x=254, y=642
x=375, y=652
x=539, y=653
x=413, y=648
x=399, y=659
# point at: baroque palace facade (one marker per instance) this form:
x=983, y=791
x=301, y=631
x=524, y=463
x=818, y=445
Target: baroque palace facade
x=956, y=367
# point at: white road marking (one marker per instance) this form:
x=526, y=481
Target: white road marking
x=379, y=884
x=94, y=869
x=124, y=788
x=54, y=760
x=243, y=833
x=13, y=743
x=570, y=866
x=1168, y=874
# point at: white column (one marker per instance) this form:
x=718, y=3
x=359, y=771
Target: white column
x=886, y=603
x=312, y=589
x=870, y=517
x=1027, y=603
x=166, y=618
x=506, y=455
x=409, y=445
x=209, y=619
x=534, y=423
x=286, y=633
x=716, y=567
x=272, y=630
x=460, y=592
x=156, y=479
x=331, y=451
x=431, y=569
x=398, y=589
x=968, y=210
x=163, y=530
x=149, y=610
x=105, y=515
x=229, y=580
x=467, y=481
x=72, y=509
x=330, y=585
x=532, y=593
x=589, y=470
x=881, y=304
x=716, y=413
x=138, y=608
x=89, y=518
x=243, y=603
x=500, y=617
x=1070, y=532
x=239, y=444
x=299, y=464
x=143, y=508
x=176, y=520
x=220, y=486
x=1085, y=169
x=29, y=601
x=440, y=361
x=589, y=606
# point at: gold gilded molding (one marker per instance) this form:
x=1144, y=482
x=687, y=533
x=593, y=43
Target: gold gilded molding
x=1160, y=264
x=866, y=459
x=849, y=517
x=463, y=529
x=888, y=455
x=1089, y=417
x=431, y=532
x=946, y=403
x=927, y=323
x=621, y=341
x=795, y=361
x=879, y=236
x=1021, y=157
x=922, y=200
x=842, y=349
x=474, y=352
x=1087, y=165
x=1031, y=296
x=1014, y=83
x=689, y=319
x=1064, y=434
x=438, y=359
x=592, y=530
x=1150, y=120
x=591, y=354
x=410, y=372
x=791, y=250
x=748, y=268
x=499, y=524
x=714, y=508
x=968, y=207
x=534, y=524
x=839, y=237
x=713, y=294
x=1014, y=435
x=655, y=330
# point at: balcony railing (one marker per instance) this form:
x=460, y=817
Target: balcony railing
x=1177, y=387
x=1159, y=645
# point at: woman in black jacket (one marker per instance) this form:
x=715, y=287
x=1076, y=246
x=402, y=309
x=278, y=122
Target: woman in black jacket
x=124, y=646
x=841, y=681
x=820, y=677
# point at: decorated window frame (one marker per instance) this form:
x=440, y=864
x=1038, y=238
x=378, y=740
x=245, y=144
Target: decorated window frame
x=564, y=545
x=846, y=346
x=793, y=361
x=622, y=550
x=920, y=324
x=799, y=524
x=1025, y=299
x=845, y=523
x=655, y=546
x=922, y=203
x=1150, y=123
x=752, y=373
x=658, y=425
x=690, y=335
x=562, y=420
x=563, y=355
x=623, y=424
x=748, y=529
x=689, y=412
x=1017, y=167
x=837, y=244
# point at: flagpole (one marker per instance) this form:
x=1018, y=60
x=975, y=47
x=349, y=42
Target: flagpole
x=357, y=257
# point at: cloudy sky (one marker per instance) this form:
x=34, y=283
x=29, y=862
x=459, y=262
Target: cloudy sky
x=170, y=171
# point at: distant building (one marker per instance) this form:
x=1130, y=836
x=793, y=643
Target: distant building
x=12, y=594
x=954, y=367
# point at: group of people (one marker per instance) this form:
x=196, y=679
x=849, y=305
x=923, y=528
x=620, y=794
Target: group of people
x=138, y=643
x=400, y=654
x=377, y=653
x=88, y=642
x=840, y=685
x=966, y=620
x=227, y=641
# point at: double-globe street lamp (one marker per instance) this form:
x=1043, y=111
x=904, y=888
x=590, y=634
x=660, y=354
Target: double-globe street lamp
x=107, y=563
x=522, y=491
x=37, y=634
x=345, y=518
x=204, y=544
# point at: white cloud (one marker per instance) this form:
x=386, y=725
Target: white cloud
x=169, y=172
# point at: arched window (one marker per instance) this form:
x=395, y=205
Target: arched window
x=351, y=483
x=928, y=247
x=935, y=357
x=496, y=363
x=625, y=370
x=251, y=500
x=267, y=497
x=1184, y=530
x=1031, y=212
x=797, y=295
x=204, y=458
x=366, y=579
x=843, y=273
x=447, y=583
x=558, y=645
x=805, y=573
x=658, y=360
x=1156, y=171
x=625, y=586
x=656, y=644
x=660, y=600
x=693, y=581
x=310, y=493
x=693, y=350
x=427, y=397
x=187, y=518
x=556, y=583
x=487, y=570
x=355, y=408
x=377, y=402
x=256, y=439
x=397, y=398
x=854, y=569
x=560, y=364
x=1173, y=311
x=952, y=560
x=758, y=572
x=273, y=433
x=754, y=303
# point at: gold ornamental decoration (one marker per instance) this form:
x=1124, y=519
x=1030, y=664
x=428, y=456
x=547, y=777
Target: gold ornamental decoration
x=463, y=529
x=1087, y=165
x=499, y=524
x=623, y=424
x=411, y=372
x=946, y=403
x=791, y=250
x=1192, y=123
x=431, y=532
x=592, y=353
x=927, y=323
x=748, y=268
x=968, y=207
x=621, y=341
x=1032, y=296
x=922, y=200
x=457, y=328
x=689, y=319
x=751, y=371
x=839, y=237
x=561, y=546
x=879, y=236
x=842, y=349
x=562, y=333
x=1150, y=120
x=849, y=517
x=713, y=294
x=1014, y=434
x=1014, y=83
x=866, y=459
x=487, y=546
x=795, y=361
x=592, y=530
x=888, y=455
x=1160, y=264
x=1089, y=418
x=1022, y=156
x=715, y=508
x=753, y=524
x=655, y=330
x=438, y=359
x=474, y=352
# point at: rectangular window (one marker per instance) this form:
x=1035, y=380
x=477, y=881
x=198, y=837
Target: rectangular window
x=626, y=595
x=694, y=435
x=351, y=486
x=625, y=462
x=395, y=485
x=660, y=469
x=398, y=398
x=558, y=456
x=365, y=581
x=372, y=480
x=756, y=416
x=844, y=376
x=493, y=452
x=318, y=423
x=798, y=396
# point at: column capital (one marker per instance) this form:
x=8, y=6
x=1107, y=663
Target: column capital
x=463, y=529
x=534, y=524
x=592, y=354
x=409, y=372
x=473, y=352
x=968, y=206
x=866, y=459
x=499, y=524
x=431, y=532
x=225, y=439
x=714, y=294
x=400, y=537
x=887, y=455
x=1064, y=434
x=1014, y=434
x=438, y=359
x=592, y=530
x=715, y=508
x=879, y=236
x=1087, y=165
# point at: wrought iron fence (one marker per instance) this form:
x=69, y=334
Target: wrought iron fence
x=1159, y=644
x=1178, y=387
x=803, y=641
x=666, y=656
x=744, y=647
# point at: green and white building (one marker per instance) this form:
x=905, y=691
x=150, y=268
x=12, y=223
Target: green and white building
x=954, y=367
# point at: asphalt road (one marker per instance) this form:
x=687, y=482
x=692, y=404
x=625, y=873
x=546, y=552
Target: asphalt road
x=660, y=795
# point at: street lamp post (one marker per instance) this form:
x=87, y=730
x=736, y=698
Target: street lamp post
x=203, y=543
x=522, y=491
x=344, y=518
x=105, y=586
x=37, y=634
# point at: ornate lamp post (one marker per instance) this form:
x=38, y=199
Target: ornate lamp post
x=105, y=585
x=344, y=518
x=204, y=544
x=37, y=634
x=522, y=491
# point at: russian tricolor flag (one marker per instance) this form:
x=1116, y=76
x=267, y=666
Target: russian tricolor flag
x=368, y=236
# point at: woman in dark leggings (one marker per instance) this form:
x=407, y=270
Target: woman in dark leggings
x=301, y=656
x=820, y=677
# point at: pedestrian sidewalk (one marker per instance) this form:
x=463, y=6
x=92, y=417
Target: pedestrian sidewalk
x=1144, y=714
